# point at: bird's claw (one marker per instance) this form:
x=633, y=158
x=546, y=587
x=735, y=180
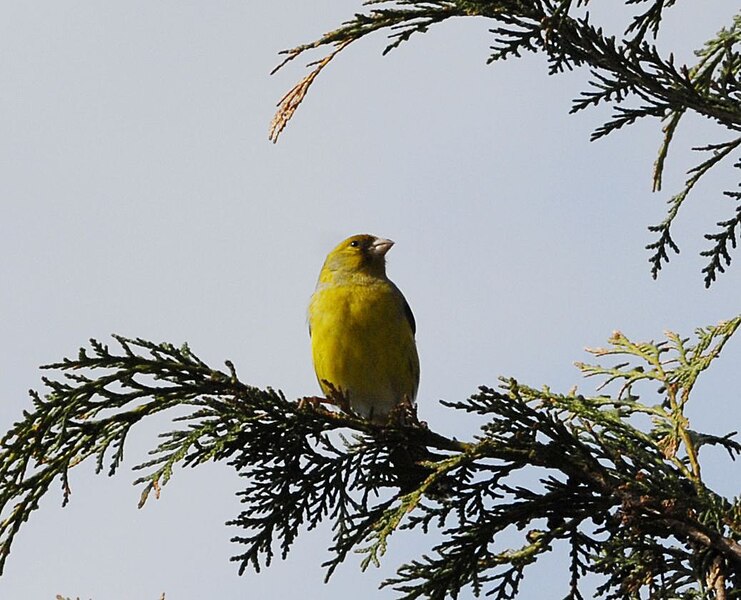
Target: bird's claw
x=311, y=402
x=405, y=414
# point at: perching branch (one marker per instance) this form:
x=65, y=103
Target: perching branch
x=629, y=503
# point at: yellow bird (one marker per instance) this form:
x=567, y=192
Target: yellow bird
x=362, y=330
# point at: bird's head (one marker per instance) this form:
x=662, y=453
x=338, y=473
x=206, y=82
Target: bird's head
x=357, y=255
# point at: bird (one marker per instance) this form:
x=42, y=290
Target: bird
x=363, y=331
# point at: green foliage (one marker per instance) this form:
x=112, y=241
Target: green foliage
x=628, y=74
x=614, y=479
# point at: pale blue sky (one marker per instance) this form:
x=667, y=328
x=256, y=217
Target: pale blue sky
x=142, y=197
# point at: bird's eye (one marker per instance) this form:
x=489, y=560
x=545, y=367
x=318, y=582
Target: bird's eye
x=354, y=244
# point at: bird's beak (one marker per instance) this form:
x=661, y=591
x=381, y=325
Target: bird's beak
x=380, y=246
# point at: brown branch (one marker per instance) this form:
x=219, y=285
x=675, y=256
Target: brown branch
x=291, y=101
x=708, y=538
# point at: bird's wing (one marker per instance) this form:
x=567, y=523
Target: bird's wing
x=407, y=310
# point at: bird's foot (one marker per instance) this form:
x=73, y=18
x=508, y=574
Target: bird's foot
x=311, y=402
x=405, y=414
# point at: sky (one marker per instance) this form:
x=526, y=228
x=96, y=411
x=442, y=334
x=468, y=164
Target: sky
x=142, y=197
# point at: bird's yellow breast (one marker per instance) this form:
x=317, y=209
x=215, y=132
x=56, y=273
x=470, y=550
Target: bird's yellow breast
x=363, y=344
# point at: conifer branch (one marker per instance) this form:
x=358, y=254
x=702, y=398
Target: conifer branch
x=660, y=246
x=719, y=253
x=628, y=73
x=629, y=503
